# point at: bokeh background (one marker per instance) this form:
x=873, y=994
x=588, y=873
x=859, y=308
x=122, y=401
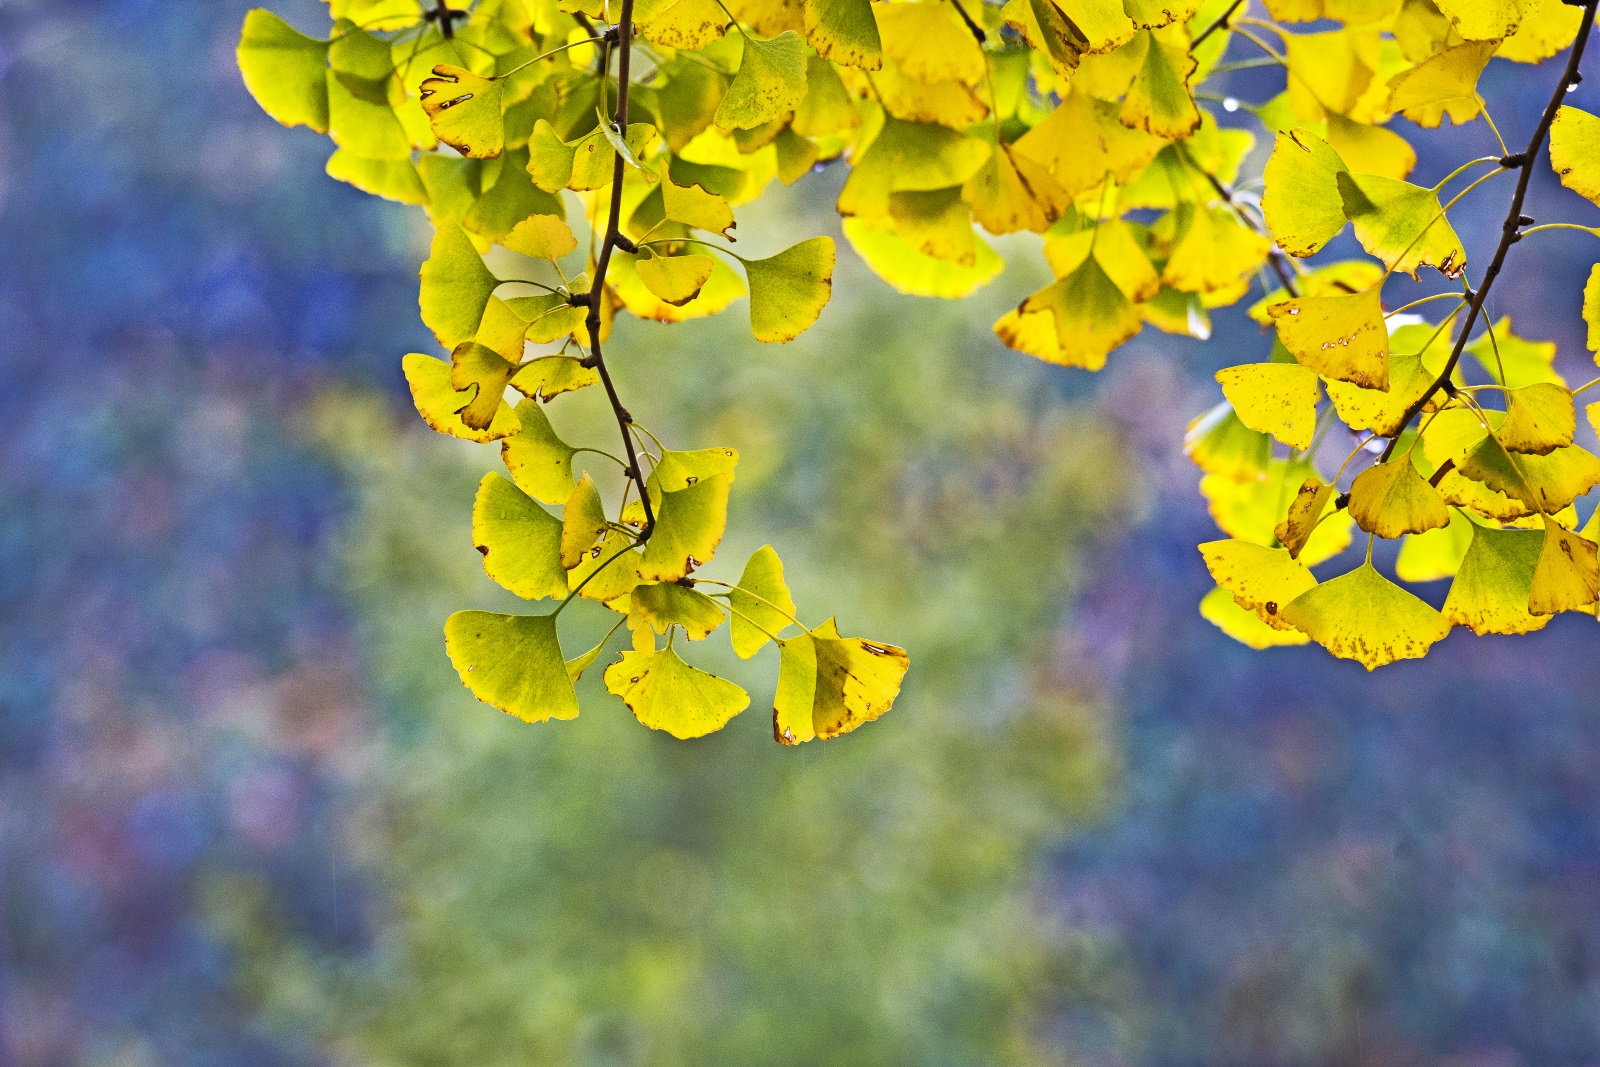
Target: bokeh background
x=248, y=816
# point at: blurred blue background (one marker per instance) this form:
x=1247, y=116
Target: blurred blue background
x=248, y=817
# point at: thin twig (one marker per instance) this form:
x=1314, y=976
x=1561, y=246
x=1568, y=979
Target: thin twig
x=977, y=31
x=1510, y=229
x=1222, y=20
x=1275, y=256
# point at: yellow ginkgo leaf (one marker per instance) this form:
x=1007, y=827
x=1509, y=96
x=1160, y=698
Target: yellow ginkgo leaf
x=936, y=222
x=1159, y=100
x=1119, y=252
x=1254, y=510
x=1382, y=411
x=1539, y=419
x=1567, y=577
x=1391, y=499
x=1154, y=14
x=1543, y=484
x=1443, y=83
x=1342, y=338
x=541, y=237
x=1329, y=72
x=1575, y=151
x=1485, y=20
x=1219, y=608
x=1082, y=140
x=1304, y=514
x=680, y=470
x=662, y=606
x=1090, y=313
x=665, y=693
x=1591, y=310
x=455, y=286
x=539, y=461
x=583, y=522
x=761, y=603
x=548, y=376
x=1370, y=149
x=392, y=179
x=1427, y=557
x=440, y=405
x=828, y=685
x=689, y=526
x=845, y=32
x=608, y=570
x=465, y=111
x=1301, y=202
x=1259, y=578
x=1219, y=443
x=520, y=541
x=1490, y=592
x=1274, y=398
x=1548, y=28
x=286, y=71
x=771, y=81
x=687, y=24
x=1402, y=224
x=789, y=290
x=926, y=40
x=1514, y=361
x=675, y=279
x=1365, y=617
x=1216, y=252
x=512, y=662
x=481, y=373
x=1103, y=25
x=693, y=206
x=1012, y=192
x=908, y=157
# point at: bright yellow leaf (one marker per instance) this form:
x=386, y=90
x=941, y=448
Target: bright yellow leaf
x=1274, y=398
x=1220, y=609
x=828, y=685
x=465, y=111
x=762, y=605
x=1567, y=577
x=1343, y=338
x=665, y=693
x=1391, y=499
x=512, y=662
x=1365, y=617
x=1260, y=579
x=1575, y=151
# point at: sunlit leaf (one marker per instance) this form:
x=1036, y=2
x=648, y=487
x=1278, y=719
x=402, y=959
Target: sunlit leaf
x=1219, y=608
x=286, y=71
x=789, y=290
x=1090, y=314
x=1260, y=579
x=828, y=685
x=680, y=470
x=665, y=693
x=1484, y=20
x=512, y=662
x=761, y=604
x=439, y=404
x=1491, y=588
x=675, y=279
x=1304, y=514
x=455, y=286
x=1159, y=100
x=771, y=81
x=393, y=179
x=1301, y=202
x=1427, y=557
x=1391, y=499
x=1342, y=338
x=664, y=605
x=1567, y=577
x=1012, y=192
x=844, y=31
x=465, y=111
x=1544, y=484
x=1402, y=224
x=1365, y=617
x=520, y=541
x=1539, y=419
x=1575, y=151
x=539, y=461
x=894, y=260
x=541, y=237
x=689, y=526
x=1446, y=82
x=1274, y=398
x=583, y=523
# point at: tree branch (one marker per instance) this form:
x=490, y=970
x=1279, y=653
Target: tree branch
x=1222, y=20
x=1510, y=229
x=613, y=237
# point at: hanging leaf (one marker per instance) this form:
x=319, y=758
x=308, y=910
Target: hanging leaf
x=662, y=606
x=512, y=662
x=1539, y=419
x=828, y=685
x=789, y=290
x=689, y=526
x=675, y=279
x=1258, y=578
x=1342, y=338
x=665, y=693
x=539, y=461
x=1567, y=577
x=845, y=32
x=583, y=523
x=1305, y=512
x=286, y=71
x=541, y=237
x=1365, y=617
x=761, y=603
x=1575, y=152
x=1301, y=204
x=1402, y=224
x=440, y=405
x=520, y=541
x=1391, y=499
x=1219, y=608
x=465, y=111
x=1491, y=589
x=771, y=81
x=455, y=286
x=1274, y=398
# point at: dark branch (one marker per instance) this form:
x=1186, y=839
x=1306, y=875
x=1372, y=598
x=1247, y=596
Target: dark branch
x=1509, y=231
x=1222, y=21
x=977, y=31
x=614, y=237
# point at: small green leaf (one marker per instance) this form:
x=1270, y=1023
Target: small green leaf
x=286, y=71
x=770, y=83
x=789, y=290
x=583, y=522
x=761, y=603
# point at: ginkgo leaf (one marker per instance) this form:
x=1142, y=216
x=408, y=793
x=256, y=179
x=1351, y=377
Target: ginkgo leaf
x=1259, y=578
x=455, y=286
x=771, y=81
x=1301, y=203
x=761, y=603
x=1514, y=361
x=1083, y=139
x=1402, y=224
x=908, y=157
x=845, y=32
x=1103, y=25
x=789, y=290
x=286, y=71
x=539, y=461
x=1567, y=577
x=1539, y=419
x=481, y=373
x=1215, y=253
x=1391, y=499
x=541, y=237
x=1591, y=310
x=520, y=541
x=926, y=40
x=1365, y=617
x=1382, y=411
x=439, y=404
x=1575, y=152
x=936, y=222
x=662, y=606
x=1484, y=20
x=548, y=376
x=512, y=662
x=1547, y=29
x=583, y=522
x=828, y=685
x=1370, y=149
x=1090, y=314
x=828, y=108
x=1445, y=81
x=893, y=259
x=1342, y=338
x=1219, y=443
x=680, y=470
x=665, y=693
x=608, y=570
x=1159, y=100
x=1305, y=512
x=694, y=206
x=465, y=111
x=578, y=666
x=1544, y=484
x=1254, y=509
x=675, y=279
x=1274, y=398
x=687, y=24
x=392, y=179
x=1219, y=608
x=1011, y=192
x=1427, y=557
x=1490, y=592
x=689, y=526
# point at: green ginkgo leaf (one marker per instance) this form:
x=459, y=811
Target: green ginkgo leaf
x=1402, y=224
x=1365, y=617
x=286, y=71
x=392, y=179
x=541, y=237
x=1342, y=338
x=1159, y=101
x=1544, y=483
x=1428, y=557
x=1539, y=419
x=828, y=685
x=455, y=286
x=770, y=83
x=583, y=522
x=662, y=606
x=1391, y=499
x=1301, y=203
x=1090, y=314
x=689, y=526
x=512, y=662
x=465, y=111
x=440, y=405
x=520, y=541
x=1575, y=152
x=548, y=376
x=762, y=605
x=1567, y=576
x=539, y=461
x=1260, y=579
x=845, y=32
x=1274, y=398
x=665, y=693
x=1490, y=592
x=694, y=206
x=1514, y=361
x=789, y=290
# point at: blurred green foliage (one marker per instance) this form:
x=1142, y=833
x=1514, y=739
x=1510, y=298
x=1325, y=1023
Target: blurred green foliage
x=593, y=893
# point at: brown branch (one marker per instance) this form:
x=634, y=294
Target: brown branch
x=977, y=31
x=613, y=237
x=1509, y=230
x=1222, y=21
